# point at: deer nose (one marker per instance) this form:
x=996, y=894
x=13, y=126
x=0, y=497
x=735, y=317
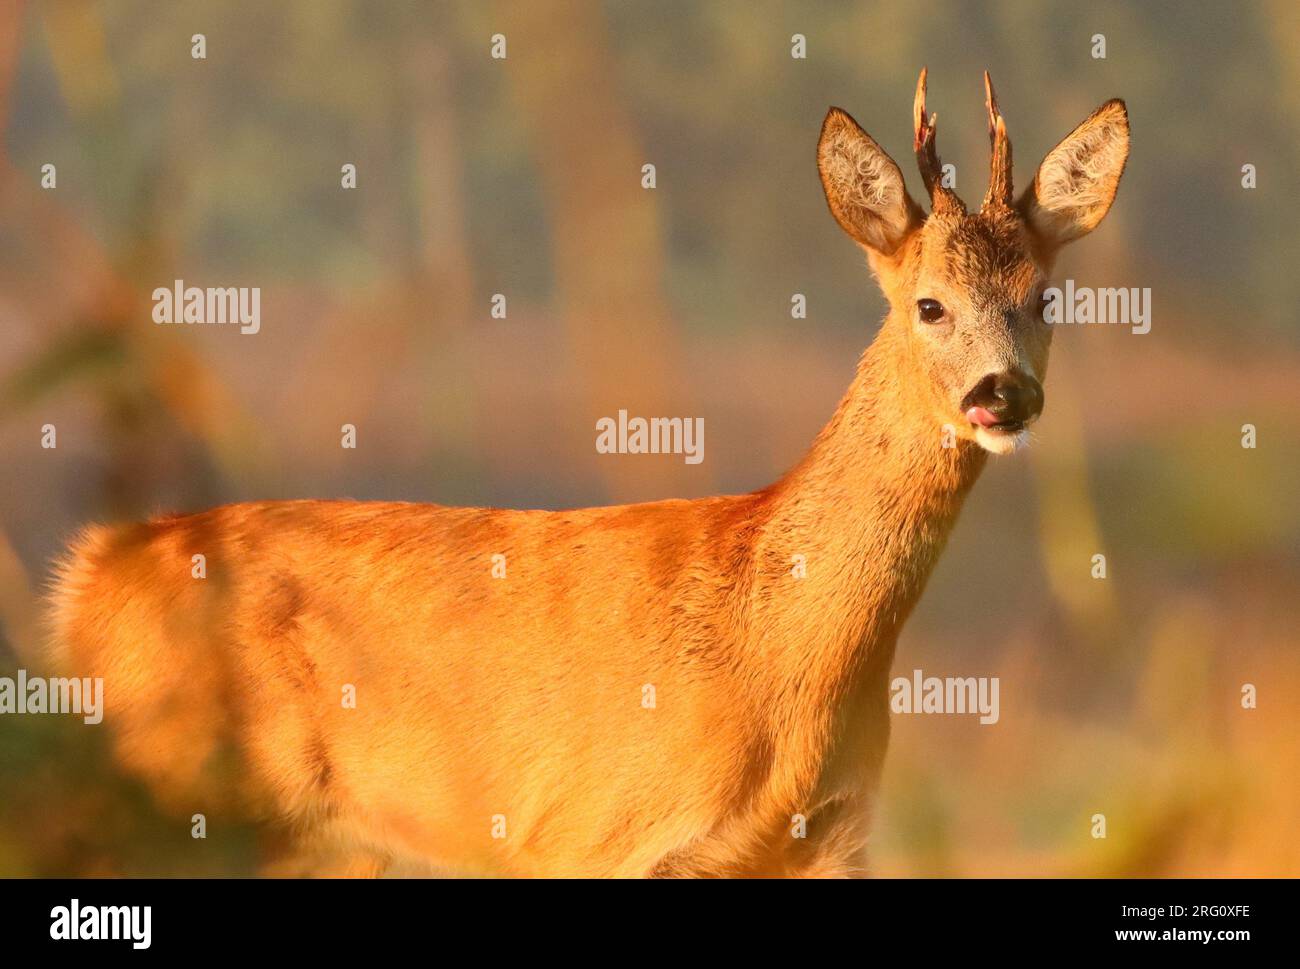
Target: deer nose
x=1008, y=399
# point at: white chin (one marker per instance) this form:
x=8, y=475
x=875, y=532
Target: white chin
x=1000, y=442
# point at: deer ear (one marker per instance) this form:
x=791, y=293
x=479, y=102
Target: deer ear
x=863, y=186
x=1077, y=180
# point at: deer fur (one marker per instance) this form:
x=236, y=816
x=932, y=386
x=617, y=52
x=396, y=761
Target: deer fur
x=499, y=723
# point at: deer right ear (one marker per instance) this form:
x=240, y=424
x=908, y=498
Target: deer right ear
x=1078, y=179
x=864, y=187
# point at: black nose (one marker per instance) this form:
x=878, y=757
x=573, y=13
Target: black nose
x=1013, y=397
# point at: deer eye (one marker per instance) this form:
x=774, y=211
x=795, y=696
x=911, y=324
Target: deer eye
x=931, y=310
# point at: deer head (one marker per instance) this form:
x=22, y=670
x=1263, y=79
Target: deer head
x=965, y=290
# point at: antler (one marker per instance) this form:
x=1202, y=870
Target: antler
x=927, y=159
x=999, y=193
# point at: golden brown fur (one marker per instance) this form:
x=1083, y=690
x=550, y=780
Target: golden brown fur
x=521, y=697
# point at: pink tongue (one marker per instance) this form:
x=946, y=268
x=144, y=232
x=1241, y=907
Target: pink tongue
x=980, y=416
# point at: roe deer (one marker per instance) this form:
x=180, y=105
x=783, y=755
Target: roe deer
x=501, y=724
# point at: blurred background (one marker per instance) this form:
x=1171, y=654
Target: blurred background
x=522, y=177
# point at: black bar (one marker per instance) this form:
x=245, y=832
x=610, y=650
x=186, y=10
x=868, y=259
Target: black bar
x=976, y=918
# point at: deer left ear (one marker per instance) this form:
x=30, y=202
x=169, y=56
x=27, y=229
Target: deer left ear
x=1077, y=181
x=863, y=186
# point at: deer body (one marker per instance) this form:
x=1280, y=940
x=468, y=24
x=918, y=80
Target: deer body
x=503, y=723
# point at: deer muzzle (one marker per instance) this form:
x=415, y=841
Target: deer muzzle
x=1004, y=401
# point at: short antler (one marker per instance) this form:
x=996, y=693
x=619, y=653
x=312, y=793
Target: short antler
x=927, y=158
x=999, y=193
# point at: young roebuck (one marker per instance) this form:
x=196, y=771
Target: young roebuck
x=501, y=724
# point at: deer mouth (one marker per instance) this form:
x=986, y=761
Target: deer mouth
x=983, y=418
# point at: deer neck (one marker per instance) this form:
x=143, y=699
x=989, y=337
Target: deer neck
x=869, y=509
